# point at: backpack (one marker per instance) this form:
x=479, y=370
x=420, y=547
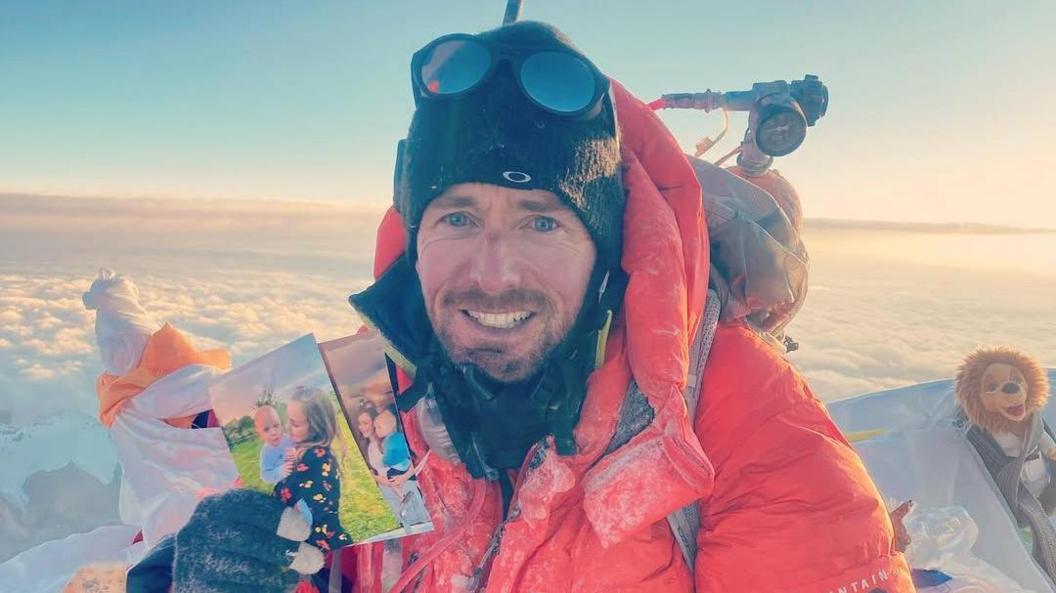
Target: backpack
x=759, y=263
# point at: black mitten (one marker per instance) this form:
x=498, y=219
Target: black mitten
x=243, y=541
x=153, y=573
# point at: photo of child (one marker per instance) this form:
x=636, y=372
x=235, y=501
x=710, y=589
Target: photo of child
x=289, y=438
x=395, y=454
x=277, y=443
x=312, y=471
x=397, y=469
x=357, y=367
x=277, y=451
x=375, y=457
x=389, y=460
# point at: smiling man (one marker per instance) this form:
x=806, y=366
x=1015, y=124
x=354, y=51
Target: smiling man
x=493, y=293
x=540, y=283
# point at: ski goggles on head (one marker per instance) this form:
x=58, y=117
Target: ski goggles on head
x=556, y=80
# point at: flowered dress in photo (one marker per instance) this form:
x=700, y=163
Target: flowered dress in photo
x=314, y=480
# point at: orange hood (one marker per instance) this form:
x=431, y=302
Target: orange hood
x=665, y=258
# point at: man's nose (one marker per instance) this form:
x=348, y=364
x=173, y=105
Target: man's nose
x=1010, y=388
x=495, y=267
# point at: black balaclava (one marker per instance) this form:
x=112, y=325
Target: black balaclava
x=496, y=135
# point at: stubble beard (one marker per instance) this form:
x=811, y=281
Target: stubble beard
x=494, y=357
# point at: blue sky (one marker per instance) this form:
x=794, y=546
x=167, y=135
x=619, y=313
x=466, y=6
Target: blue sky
x=939, y=109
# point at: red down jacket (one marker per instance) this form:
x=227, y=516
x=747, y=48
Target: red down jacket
x=786, y=505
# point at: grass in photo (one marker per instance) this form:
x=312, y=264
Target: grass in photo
x=289, y=439
x=357, y=366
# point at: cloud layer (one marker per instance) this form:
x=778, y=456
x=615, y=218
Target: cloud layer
x=48, y=356
x=887, y=307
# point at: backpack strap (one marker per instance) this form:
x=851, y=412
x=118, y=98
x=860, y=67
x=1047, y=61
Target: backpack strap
x=636, y=414
x=685, y=522
x=1026, y=507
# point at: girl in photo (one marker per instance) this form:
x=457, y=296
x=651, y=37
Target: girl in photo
x=312, y=467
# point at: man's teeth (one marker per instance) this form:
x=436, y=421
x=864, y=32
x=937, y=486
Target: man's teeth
x=499, y=320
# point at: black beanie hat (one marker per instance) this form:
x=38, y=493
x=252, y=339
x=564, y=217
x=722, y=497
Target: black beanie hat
x=494, y=134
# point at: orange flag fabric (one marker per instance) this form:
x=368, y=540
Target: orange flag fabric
x=166, y=351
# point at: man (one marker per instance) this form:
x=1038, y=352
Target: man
x=542, y=278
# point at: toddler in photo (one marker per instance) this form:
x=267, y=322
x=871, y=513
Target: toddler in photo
x=276, y=444
x=396, y=457
x=395, y=454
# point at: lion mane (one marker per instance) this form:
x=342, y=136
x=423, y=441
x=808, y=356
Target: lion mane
x=969, y=386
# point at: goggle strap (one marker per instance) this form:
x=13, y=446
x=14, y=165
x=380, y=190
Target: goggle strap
x=397, y=174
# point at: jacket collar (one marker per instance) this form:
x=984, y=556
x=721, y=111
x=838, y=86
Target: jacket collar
x=394, y=307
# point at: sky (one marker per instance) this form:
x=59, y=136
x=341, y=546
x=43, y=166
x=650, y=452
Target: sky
x=939, y=110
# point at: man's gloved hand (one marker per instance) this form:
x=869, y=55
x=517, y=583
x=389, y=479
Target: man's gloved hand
x=243, y=541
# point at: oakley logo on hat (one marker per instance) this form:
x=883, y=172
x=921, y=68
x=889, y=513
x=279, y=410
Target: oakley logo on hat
x=516, y=177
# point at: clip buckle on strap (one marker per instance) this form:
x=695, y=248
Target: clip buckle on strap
x=1023, y=501
x=685, y=522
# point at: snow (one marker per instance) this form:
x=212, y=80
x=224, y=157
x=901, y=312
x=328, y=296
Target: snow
x=69, y=437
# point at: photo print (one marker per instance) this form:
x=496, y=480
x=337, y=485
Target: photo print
x=289, y=438
x=358, y=368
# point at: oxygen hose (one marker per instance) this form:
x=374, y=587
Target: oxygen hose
x=706, y=102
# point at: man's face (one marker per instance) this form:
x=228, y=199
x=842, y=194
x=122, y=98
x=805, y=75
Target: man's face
x=503, y=274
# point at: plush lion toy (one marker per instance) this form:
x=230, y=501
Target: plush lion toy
x=1000, y=389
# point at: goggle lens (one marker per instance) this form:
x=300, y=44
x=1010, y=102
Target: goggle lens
x=454, y=66
x=559, y=81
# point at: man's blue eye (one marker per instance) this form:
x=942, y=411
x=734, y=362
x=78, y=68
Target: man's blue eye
x=457, y=219
x=544, y=224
